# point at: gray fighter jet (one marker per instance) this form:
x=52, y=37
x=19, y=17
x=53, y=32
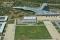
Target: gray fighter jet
x=43, y=10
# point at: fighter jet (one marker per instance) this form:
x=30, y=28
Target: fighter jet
x=43, y=10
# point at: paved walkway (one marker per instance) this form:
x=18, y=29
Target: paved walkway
x=52, y=30
x=0, y=37
x=10, y=32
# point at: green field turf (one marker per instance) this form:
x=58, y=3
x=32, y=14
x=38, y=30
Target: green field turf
x=31, y=32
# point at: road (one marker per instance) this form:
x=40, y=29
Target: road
x=52, y=30
x=10, y=32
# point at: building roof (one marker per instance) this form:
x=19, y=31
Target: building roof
x=3, y=18
x=29, y=17
x=2, y=25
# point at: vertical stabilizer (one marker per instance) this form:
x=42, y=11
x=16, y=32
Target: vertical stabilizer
x=45, y=7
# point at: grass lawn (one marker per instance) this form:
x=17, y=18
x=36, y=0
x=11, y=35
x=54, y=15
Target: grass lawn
x=31, y=32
